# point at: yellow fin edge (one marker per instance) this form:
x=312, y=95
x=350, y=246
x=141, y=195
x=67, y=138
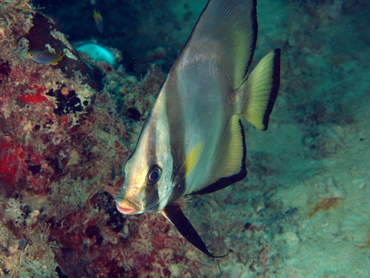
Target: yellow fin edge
x=261, y=88
x=232, y=156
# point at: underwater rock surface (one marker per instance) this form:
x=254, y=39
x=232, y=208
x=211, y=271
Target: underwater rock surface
x=66, y=131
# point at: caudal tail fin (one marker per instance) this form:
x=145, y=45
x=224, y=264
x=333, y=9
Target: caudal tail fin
x=261, y=89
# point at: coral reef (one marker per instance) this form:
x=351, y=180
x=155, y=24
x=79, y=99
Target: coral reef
x=146, y=32
x=15, y=16
x=62, y=147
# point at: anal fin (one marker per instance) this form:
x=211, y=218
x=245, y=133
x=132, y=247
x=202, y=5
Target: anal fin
x=230, y=159
x=175, y=215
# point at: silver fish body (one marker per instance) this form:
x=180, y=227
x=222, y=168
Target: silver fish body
x=193, y=140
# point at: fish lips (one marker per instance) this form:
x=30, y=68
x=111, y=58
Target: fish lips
x=127, y=207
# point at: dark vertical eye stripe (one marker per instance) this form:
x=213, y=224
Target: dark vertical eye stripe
x=150, y=151
x=179, y=188
x=151, y=197
x=175, y=118
x=151, y=191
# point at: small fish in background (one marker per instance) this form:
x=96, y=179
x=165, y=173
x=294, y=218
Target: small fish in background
x=98, y=20
x=46, y=57
x=97, y=52
x=193, y=140
x=92, y=2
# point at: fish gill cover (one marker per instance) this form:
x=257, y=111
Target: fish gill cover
x=66, y=130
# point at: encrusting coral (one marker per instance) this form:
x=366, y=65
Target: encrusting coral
x=15, y=16
x=63, y=141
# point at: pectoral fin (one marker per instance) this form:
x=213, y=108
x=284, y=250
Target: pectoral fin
x=192, y=159
x=175, y=215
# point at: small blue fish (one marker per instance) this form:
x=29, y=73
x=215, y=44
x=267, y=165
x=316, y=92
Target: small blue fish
x=98, y=20
x=46, y=57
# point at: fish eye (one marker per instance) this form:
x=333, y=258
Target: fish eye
x=153, y=175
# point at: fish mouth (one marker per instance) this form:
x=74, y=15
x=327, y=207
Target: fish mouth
x=126, y=207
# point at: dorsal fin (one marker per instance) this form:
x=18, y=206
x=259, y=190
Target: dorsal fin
x=226, y=33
